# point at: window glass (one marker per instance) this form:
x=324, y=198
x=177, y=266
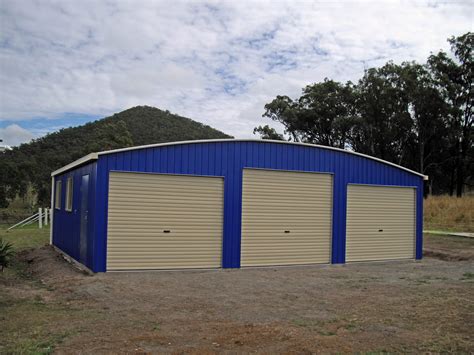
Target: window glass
x=57, y=200
x=69, y=194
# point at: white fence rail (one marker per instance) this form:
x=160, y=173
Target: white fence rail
x=42, y=217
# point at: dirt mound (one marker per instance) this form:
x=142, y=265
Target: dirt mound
x=448, y=248
x=46, y=264
x=447, y=255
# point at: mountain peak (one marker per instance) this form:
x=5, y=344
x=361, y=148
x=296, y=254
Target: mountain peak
x=139, y=125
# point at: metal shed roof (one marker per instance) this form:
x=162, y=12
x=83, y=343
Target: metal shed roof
x=94, y=156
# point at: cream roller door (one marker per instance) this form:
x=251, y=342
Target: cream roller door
x=158, y=221
x=380, y=223
x=286, y=218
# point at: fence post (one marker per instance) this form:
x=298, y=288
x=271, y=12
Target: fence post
x=40, y=218
x=46, y=216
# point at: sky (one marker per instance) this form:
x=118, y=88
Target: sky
x=64, y=63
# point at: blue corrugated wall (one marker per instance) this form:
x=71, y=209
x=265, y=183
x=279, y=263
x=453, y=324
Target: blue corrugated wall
x=227, y=159
x=66, y=225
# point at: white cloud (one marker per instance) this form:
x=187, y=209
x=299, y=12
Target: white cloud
x=218, y=62
x=15, y=135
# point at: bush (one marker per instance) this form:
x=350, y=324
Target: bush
x=15, y=215
x=6, y=254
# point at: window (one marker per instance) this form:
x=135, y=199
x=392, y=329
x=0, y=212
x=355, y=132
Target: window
x=57, y=197
x=69, y=194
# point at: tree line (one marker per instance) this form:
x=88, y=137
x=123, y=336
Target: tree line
x=416, y=115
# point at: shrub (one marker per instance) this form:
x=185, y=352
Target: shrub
x=6, y=254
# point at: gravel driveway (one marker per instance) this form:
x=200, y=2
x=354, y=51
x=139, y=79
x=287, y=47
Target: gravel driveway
x=402, y=306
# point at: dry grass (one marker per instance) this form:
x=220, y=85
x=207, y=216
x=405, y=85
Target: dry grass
x=449, y=213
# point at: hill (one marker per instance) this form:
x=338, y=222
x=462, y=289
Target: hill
x=30, y=164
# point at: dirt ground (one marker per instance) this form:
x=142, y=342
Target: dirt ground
x=449, y=248
x=46, y=305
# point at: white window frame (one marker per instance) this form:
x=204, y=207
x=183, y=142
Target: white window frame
x=69, y=194
x=57, y=194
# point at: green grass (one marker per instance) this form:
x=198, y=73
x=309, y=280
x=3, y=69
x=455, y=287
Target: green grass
x=26, y=237
x=31, y=322
x=468, y=276
x=33, y=326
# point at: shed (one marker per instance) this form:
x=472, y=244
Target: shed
x=231, y=203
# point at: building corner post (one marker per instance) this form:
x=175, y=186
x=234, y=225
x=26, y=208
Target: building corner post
x=51, y=211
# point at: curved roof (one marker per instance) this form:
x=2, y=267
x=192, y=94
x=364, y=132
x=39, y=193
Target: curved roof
x=95, y=156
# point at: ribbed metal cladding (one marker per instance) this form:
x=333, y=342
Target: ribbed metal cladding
x=380, y=223
x=286, y=218
x=159, y=221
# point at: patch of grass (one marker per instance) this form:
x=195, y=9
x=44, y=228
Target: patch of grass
x=422, y=281
x=37, y=346
x=327, y=327
x=446, y=344
x=428, y=279
x=468, y=276
x=29, y=327
x=351, y=326
x=157, y=327
x=30, y=346
x=33, y=326
x=37, y=300
x=449, y=213
x=318, y=326
x=26, y=237
x=28, y=323
x=326, y=333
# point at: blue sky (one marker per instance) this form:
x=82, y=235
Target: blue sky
x=64, y=63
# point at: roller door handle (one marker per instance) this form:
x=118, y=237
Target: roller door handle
x=166, y=231
x=287, y=231
x=380, y=230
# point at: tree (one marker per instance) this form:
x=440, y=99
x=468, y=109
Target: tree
x=383, y=124
x=415, y=115
x=322, y=114
x=424, y=148
x=453, y=79
x=283, y=110
x=267, y=132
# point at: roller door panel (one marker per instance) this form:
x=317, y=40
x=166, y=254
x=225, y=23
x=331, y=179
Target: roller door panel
x=274, y=202
x=158, y=221
x=380, y=223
